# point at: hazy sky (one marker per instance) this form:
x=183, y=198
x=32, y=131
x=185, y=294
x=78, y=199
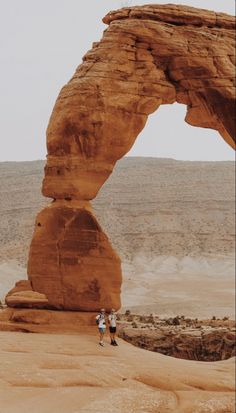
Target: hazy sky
x=42, y=43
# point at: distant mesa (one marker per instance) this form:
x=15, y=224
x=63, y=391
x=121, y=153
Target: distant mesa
x=148, y=56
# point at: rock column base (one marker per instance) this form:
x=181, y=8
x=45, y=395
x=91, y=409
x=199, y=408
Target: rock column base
x=47, y=321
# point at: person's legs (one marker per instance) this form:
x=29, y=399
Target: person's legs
x=115, y=343
x=112, y=336
x=102, y=332
x=101, y=336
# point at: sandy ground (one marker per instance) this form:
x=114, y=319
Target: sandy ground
x=43, y=373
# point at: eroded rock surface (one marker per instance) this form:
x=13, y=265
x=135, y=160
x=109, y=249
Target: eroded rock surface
x=37, y=319
x=148, y=56
x=212, y=345
x=27, y=299
x=72, y=261
x=70, y=373
x=206, y=340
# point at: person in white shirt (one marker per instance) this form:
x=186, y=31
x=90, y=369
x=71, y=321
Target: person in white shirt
x=112, y=327
x=101, y=323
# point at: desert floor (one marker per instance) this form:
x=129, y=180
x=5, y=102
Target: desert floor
x=56, y=373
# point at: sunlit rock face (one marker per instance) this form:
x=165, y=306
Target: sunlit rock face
x=148, y=56
x=71, y=260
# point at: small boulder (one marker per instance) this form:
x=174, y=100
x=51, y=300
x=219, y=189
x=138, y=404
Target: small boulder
x=27, y=299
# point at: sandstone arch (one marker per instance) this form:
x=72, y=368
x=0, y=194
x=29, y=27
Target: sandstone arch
x=148, y=56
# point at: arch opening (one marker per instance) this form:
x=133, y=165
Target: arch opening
x=164, y=214
x=166, y=135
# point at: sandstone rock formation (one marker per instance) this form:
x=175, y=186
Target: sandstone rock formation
x=180, y=337
x=71, y=259
x=40, y=320
x=210, y=345
x=27, y=299
x=148, y=56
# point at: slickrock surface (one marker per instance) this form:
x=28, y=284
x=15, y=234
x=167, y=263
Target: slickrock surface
x=180, y=337
x=45, y=373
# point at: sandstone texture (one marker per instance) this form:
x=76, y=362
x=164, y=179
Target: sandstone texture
x=31, y=299
x=148, y=56
x=204, y=340
x=45, y=373
x=71, y=260
x=21, y=286
x=41, y=320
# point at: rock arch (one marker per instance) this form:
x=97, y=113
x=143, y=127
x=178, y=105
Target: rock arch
x=148, y=56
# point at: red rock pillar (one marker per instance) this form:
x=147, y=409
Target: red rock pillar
x=71, y=260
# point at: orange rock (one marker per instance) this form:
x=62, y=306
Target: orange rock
x=29, y=299
x=148, y=56
x=71, y=260
x=22, y=285
x=47, y=321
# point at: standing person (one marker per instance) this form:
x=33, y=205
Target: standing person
x=101, y=323
x=112, y=327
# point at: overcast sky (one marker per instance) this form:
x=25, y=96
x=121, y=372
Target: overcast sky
x=42, y=42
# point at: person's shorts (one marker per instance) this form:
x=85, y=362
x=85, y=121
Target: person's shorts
x=112, y=329
x=102, y=329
